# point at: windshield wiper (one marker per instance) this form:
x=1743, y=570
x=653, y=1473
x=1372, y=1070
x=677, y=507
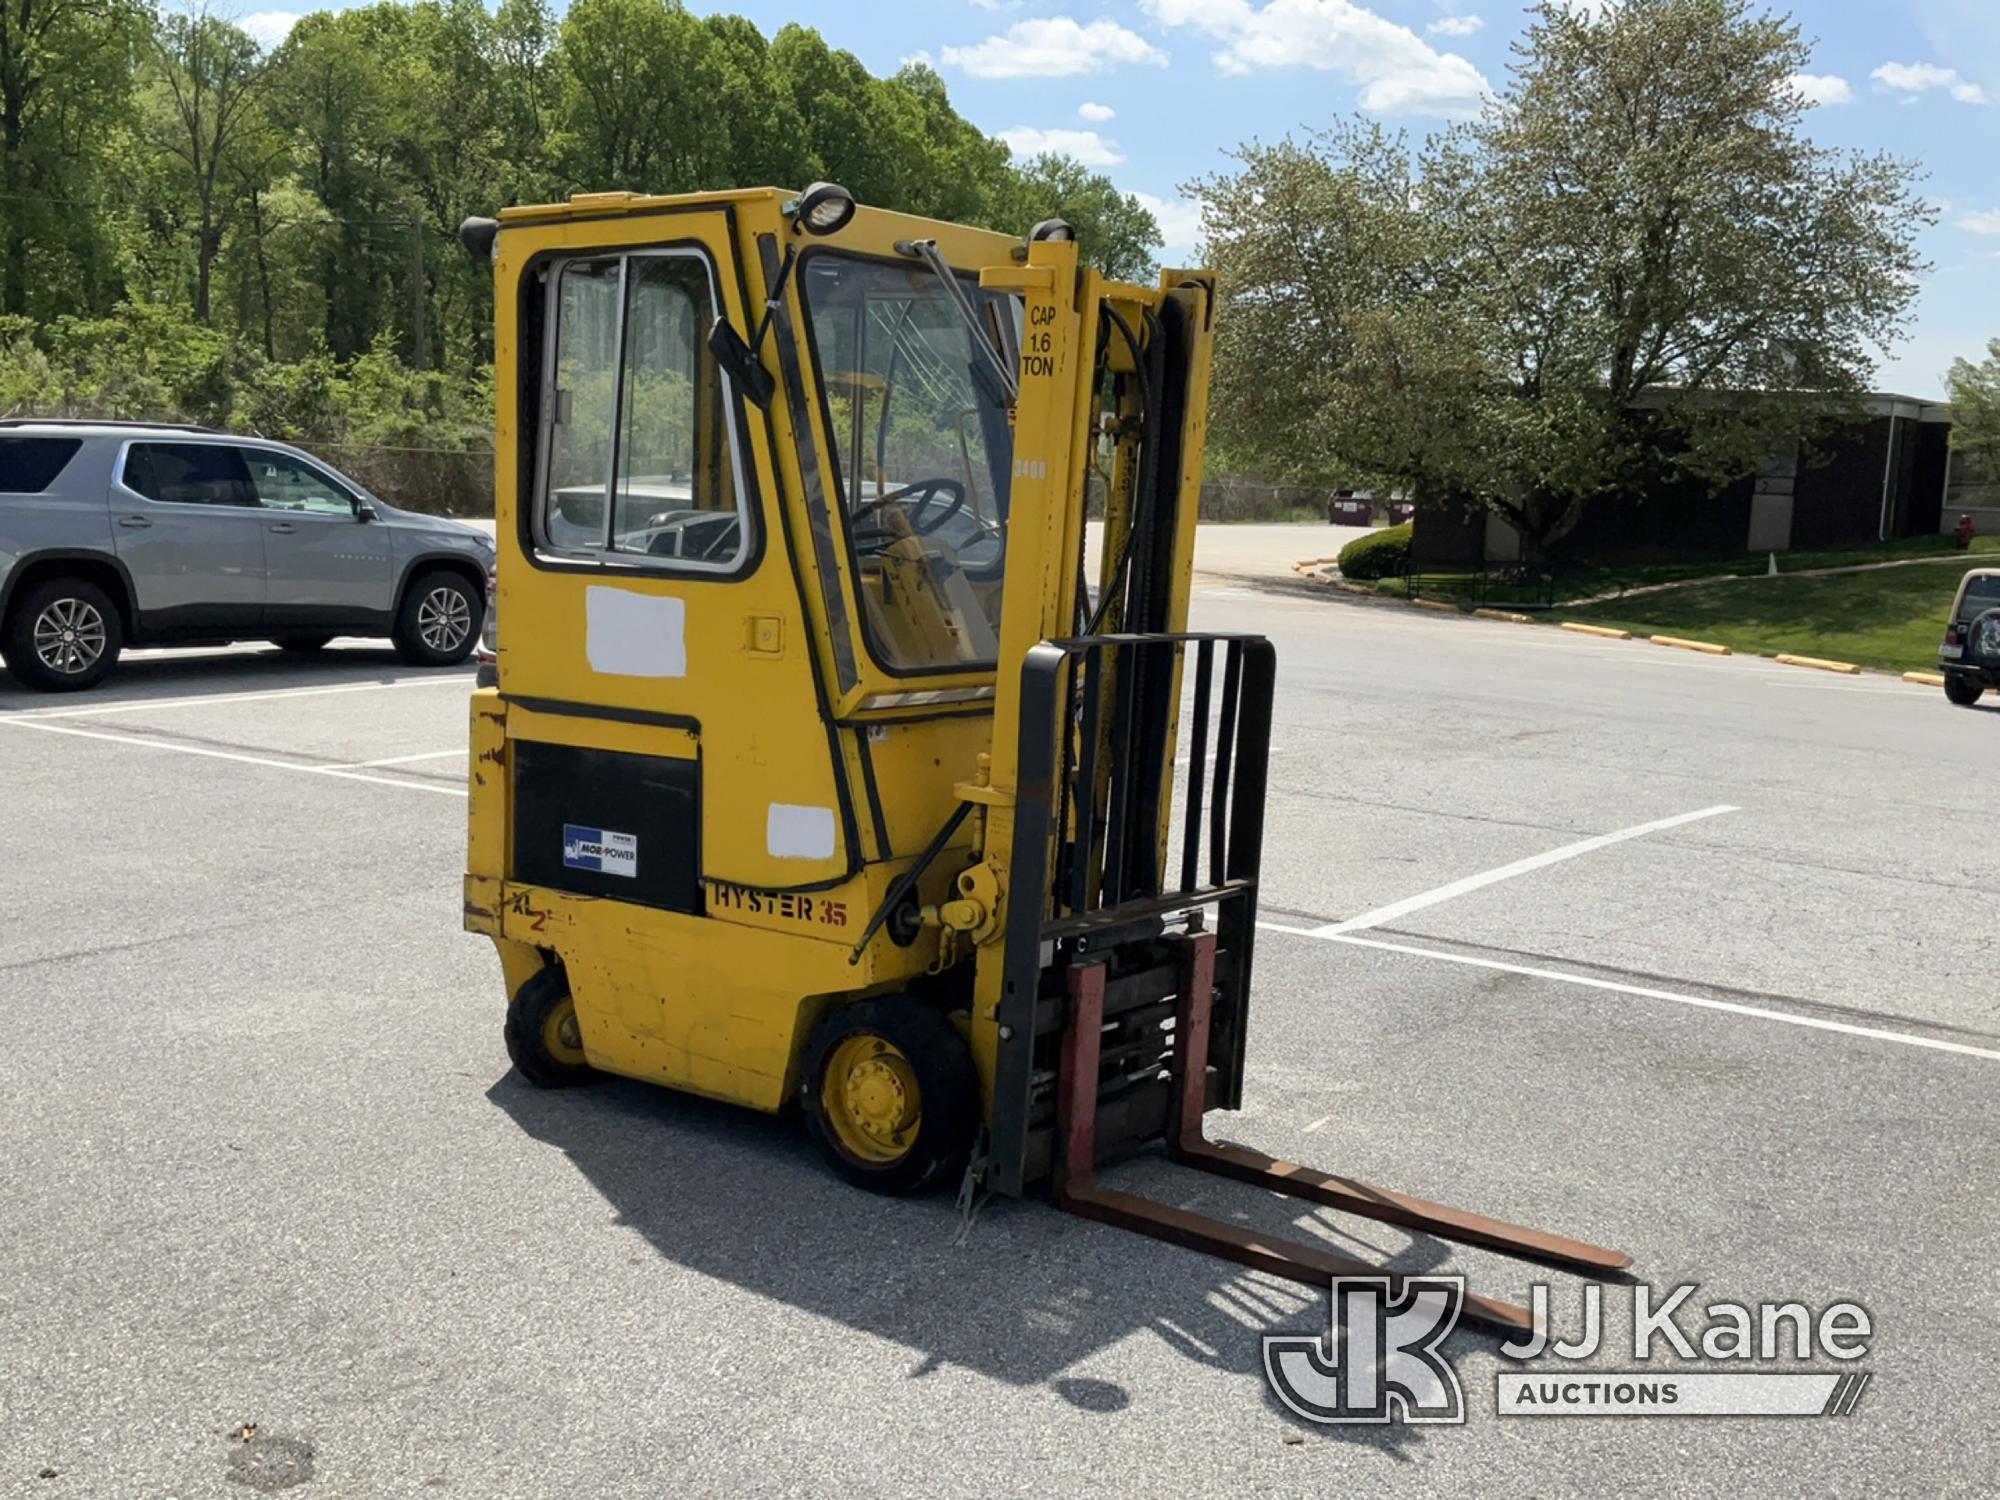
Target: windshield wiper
x=1003, y=371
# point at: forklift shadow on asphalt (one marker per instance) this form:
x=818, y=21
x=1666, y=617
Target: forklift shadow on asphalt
x=226, y=672
x=1027, y=1297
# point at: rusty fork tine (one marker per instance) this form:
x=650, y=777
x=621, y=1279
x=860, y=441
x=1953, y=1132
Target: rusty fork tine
x=1368, y=1202
x=1187, y=1144
x=1292, y=1262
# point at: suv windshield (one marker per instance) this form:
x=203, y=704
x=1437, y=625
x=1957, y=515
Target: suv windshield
x=922, y=458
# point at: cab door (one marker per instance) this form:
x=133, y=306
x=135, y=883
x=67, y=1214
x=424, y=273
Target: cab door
x=647, y=593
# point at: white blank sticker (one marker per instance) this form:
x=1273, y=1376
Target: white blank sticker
x=799, y=832
x=635, y=635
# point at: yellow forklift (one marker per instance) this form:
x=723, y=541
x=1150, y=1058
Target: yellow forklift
x=811, y=768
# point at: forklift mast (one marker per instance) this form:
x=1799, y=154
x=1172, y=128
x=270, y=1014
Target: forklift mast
x=1082, y=837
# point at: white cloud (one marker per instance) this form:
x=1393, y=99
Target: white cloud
x=996, y=4
x=1455, y=25
x=1918, y=78
x=1054, y=47
x=1097, y=114
x=1398, y=71
x=268, y=28
x=1590, y=10
x=1823, y=88
x=1087, y=146
x=1179, y=220
x=1986, y=221
x=1915, y=77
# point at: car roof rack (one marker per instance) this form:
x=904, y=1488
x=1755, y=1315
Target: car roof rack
x=103, y=422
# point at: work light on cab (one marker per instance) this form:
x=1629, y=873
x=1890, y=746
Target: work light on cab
x=824, y=208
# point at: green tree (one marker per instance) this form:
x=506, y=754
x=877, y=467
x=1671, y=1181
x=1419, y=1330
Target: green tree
x=529, y=92
x=279, y=227
x=1115, y=231
x=350, y=253
x=65, y=71
x=641, y=90
x=1634, y=260
x=1974, y=391
x=765, y=146
x=203, y=118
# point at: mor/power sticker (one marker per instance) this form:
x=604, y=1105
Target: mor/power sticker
x=600, y=849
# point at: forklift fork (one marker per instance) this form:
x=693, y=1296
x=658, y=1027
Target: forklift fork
x=1077, y=1190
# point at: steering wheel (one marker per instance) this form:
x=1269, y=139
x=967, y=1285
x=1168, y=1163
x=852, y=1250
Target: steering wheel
x=936, y=502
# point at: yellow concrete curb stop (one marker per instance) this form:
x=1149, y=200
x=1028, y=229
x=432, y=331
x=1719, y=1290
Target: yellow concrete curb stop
x=1706, y=648
x=1925, y=679
x=1819, y=664
x=1504, y=614
x=1609, y=632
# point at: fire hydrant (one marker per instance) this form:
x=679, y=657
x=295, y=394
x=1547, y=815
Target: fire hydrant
x=1964, y=530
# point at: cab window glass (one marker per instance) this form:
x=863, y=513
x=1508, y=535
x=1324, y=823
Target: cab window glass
x=922, y=458
x=286, y=484
x=638, y=457
x=189, y=474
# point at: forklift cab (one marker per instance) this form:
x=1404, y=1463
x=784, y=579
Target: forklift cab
x=817, y=768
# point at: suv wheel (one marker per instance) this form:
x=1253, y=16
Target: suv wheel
x=1962, y=690
x=438, y=623
x=62, y=635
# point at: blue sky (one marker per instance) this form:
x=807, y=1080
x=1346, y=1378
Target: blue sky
x=1156, y=92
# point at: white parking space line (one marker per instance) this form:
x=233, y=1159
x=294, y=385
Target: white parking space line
x=133, y=706
x=342, y=772
x=1701, y=1002
x=401, y=760
x=1470, y=883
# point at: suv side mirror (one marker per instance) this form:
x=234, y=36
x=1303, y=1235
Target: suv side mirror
x=741, y=361
x=363, y=511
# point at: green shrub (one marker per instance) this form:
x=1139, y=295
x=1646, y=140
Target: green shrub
x=1380, y=554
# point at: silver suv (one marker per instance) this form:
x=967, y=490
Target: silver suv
x=116, y=534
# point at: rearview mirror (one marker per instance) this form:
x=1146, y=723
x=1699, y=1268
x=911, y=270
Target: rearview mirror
x=363, y=511
x=741, y=362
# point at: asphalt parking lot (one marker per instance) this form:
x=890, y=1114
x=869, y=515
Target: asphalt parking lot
x=1694, y=957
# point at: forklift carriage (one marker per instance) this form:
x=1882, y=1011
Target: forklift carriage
x=812, y=766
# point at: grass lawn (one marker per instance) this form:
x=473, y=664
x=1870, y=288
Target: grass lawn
x=1590, y=582
x=1892, y=618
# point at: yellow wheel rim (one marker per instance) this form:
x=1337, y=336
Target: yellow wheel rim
x=870, y=1099
x=561, y=1038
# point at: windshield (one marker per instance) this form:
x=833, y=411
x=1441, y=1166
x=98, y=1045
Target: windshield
x=922, y=455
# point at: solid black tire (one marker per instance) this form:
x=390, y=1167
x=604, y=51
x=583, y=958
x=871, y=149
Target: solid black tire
x=1961, y=690
x=527, y=1015
x=947, y=1088
x=17, y=644
x=302, y=642
x=410, y=644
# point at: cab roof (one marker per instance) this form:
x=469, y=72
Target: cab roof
x=624, y=202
